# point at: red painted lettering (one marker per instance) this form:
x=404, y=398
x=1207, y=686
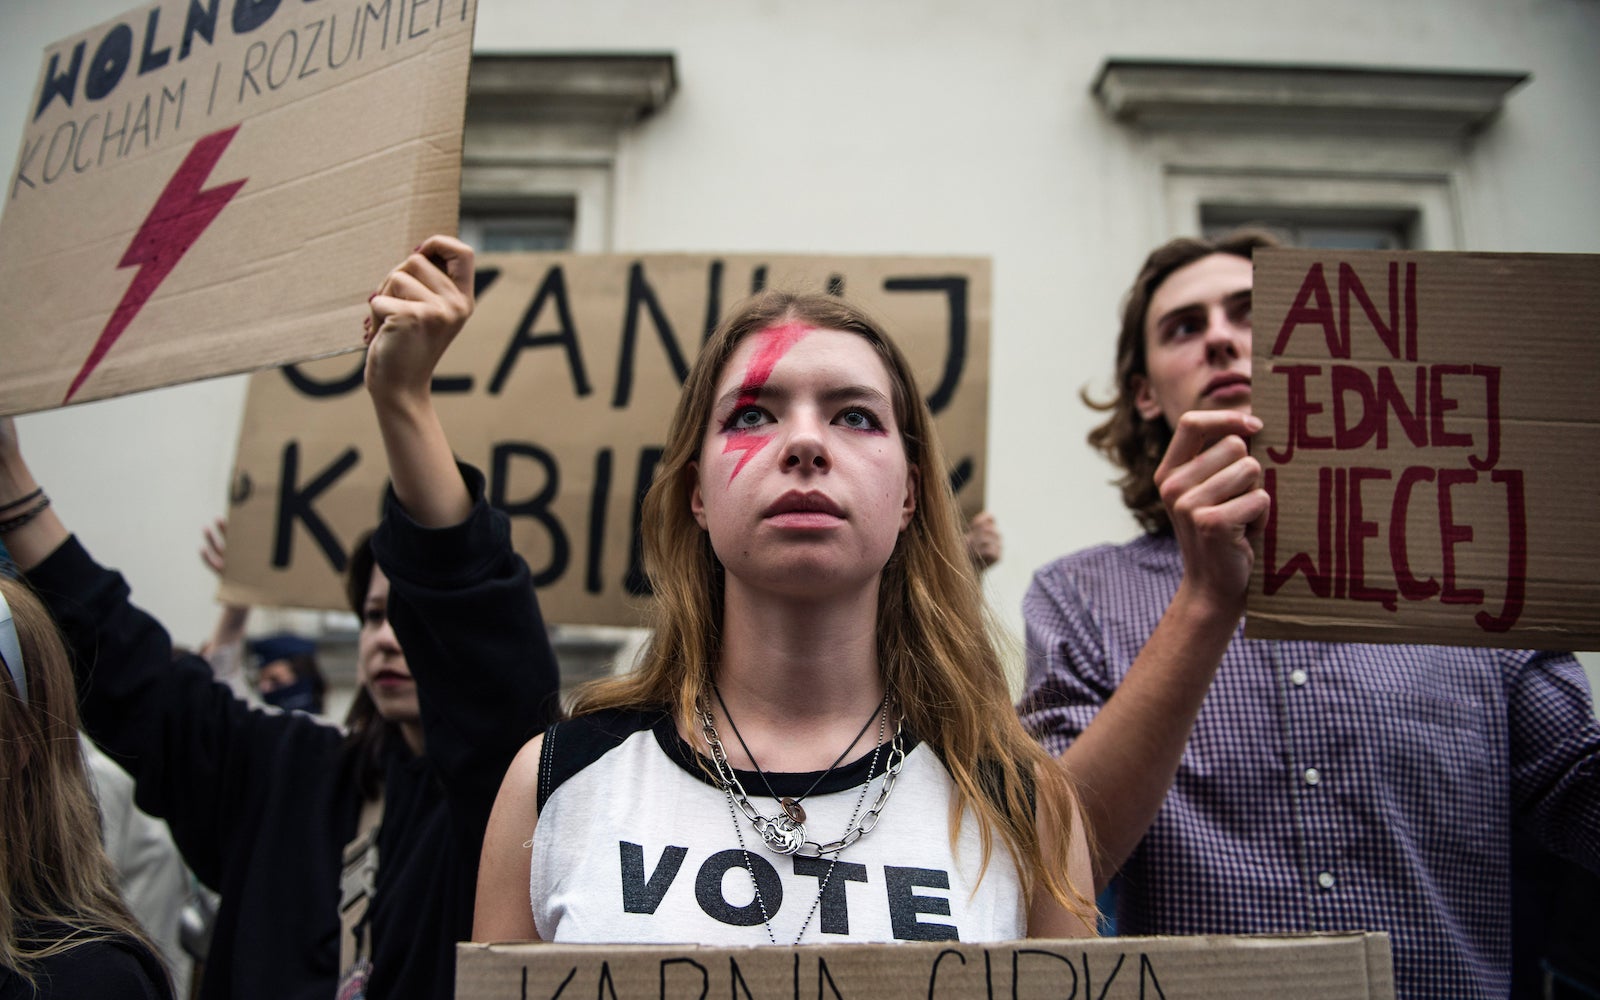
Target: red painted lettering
x=1389, y=333
x=1516, y=554
x=1341, y=567
x=1314, y=287
x=1491, y=409
x=1451, y=534
x=1316, y=572
x=1411, y=588
x=1301, y=409
x=1361, y=529
x=1414, y=419
x=1442, y=404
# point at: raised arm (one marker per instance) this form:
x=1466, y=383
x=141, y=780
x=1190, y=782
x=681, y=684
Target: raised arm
x=416, y=312
x=225, y=649
x=461, y=600
x=43, y=532
x=199, y=757
x=1125, y=760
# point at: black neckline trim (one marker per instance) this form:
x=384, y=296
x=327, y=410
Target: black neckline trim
x=845, y=776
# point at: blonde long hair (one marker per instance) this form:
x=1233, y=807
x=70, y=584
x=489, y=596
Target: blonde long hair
x=934, y=647
x=52, y=865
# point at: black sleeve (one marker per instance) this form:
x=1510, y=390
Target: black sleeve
x=463, y=608
x=200, y=758
x=114, y=970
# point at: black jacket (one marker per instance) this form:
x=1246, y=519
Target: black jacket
x=261, y=804
x=114, y=969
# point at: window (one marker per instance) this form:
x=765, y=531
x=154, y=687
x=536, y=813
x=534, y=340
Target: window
x=538, y=224
x=1321, y=228
x=542, y=138
x=1338, y=157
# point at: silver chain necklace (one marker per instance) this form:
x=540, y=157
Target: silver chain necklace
x=780, y=827
x=783, y=834
x=791, y=805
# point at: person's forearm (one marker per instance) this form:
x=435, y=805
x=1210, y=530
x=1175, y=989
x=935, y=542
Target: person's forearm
x=30, y=543
x=421, y=464
x=1124, y=762
x=230, y=627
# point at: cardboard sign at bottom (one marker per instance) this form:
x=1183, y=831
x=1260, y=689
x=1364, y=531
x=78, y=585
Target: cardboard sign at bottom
x=1350, y=966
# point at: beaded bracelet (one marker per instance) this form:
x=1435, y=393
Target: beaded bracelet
x=21, y=500
x=12, y=524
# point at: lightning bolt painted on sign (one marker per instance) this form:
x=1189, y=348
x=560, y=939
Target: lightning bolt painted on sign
x=180, y=215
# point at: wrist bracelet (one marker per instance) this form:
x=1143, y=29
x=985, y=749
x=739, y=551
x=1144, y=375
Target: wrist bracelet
x=12, y=524
x=21, y=500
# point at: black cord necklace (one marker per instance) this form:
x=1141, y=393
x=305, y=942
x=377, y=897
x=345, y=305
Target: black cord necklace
x=791, y=806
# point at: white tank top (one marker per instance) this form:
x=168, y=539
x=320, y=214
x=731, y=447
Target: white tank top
x=636, y=844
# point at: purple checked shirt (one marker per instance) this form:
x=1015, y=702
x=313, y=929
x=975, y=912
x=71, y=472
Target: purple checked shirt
x=1330, y=786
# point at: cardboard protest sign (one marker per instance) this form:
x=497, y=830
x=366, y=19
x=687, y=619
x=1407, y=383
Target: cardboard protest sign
x=1348, y=966
x=205, y=188
x=560, y=389
x=1431, y=420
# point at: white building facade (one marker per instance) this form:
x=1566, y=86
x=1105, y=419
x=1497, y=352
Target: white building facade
x=1061, y=139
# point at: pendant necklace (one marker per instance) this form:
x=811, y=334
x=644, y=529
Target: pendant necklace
x=794, y=815
x=782, y=834
x=785, y=834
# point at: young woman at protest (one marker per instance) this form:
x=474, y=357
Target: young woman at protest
x=64, y=931
x=820, y=706
x=272, y=808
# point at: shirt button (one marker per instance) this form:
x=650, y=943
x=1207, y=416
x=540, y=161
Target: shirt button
x=1326, y=880
x=1312, y=776
x=1298, y=677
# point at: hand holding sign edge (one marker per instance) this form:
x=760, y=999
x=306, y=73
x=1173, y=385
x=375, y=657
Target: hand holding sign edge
x=1212, y=489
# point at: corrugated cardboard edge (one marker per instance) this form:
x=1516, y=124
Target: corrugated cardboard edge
x=1347, y=964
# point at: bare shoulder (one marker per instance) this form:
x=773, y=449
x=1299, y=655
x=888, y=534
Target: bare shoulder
x=502, y=912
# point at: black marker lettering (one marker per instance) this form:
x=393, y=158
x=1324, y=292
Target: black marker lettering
x=296, y=504
x=333, y=31
x=713, y=298
x=637, y=583
x=200, y=21
x=640, y=294
x=705, y=978
x=315, y=27
x=24, y=162
x=553, y=289
x=536, y=506
x=109, y=63
x=248, y=15
x=151, y=59
x=258, y=50
x=308, y=386
x=593, y=579
x=62, y=85
x=954, y=288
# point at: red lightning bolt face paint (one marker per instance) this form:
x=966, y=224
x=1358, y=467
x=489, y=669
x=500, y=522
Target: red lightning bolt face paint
x=776, y=341
x=180, y=215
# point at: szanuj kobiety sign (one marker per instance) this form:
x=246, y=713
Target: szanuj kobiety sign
x=560, y=389
x=1431, y=427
